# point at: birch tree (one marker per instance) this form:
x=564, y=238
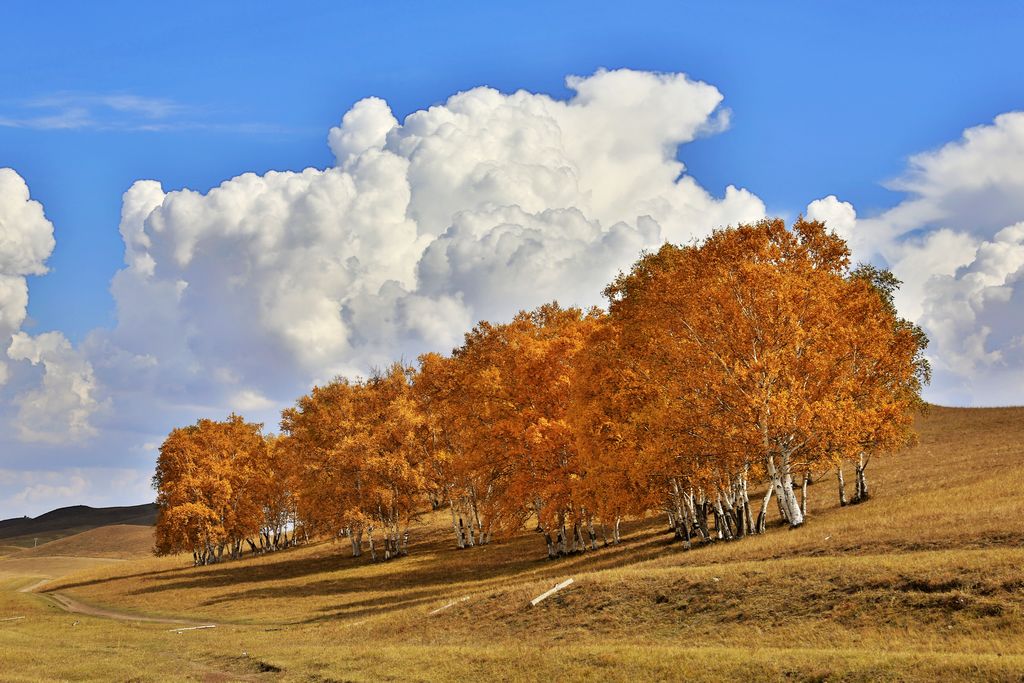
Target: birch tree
x=330, y=484
x=768, y=355
x=206, y=480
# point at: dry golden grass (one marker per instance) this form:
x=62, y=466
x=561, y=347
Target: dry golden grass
x=118, y=541
x=72, y=554
x=923, y=581
x=47, y=567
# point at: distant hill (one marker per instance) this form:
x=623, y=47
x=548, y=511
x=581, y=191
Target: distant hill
x=23, y=531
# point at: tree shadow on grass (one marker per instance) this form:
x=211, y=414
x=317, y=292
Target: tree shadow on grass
x=429, y=564
x=120, y=577
x=433, y=573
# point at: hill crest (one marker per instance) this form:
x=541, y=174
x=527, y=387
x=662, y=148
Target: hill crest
x=70, y=520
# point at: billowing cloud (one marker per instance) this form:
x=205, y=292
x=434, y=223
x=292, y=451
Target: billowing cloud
x=26, y=241
x=477, y=207
x=841, y=217
x=972, y=184
x=975, y=318
x=56, y=405
x=956, y=242
x=59, y=409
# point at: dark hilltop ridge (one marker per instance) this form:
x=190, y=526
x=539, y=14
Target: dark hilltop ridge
x=75, y=519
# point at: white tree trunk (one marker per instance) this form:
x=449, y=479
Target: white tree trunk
x=748, y=517
x=700, y=514
x=459, y=539
x=721, y=523
x=677, y=514
x=862, y=481
x=842, y=486
x=478, y=526
x=782, y=480
x=762, y=516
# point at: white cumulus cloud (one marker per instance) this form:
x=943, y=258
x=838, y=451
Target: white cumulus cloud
x=59, y=409
x=477, y=207
x=26, y=241
x=840, y=216
x=956, y=242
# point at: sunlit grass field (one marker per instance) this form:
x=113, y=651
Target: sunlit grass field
x=924, y=581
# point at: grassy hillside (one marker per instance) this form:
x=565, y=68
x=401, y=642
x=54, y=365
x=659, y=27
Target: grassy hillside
x=923, y=581
x=117, y=541
x=39, y=568
x=25, y=532
x=78, y=552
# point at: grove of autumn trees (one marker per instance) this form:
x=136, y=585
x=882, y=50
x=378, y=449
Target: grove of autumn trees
x=221, y=485
x=724, y=374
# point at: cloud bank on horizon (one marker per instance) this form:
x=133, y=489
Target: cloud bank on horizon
x=241, y=297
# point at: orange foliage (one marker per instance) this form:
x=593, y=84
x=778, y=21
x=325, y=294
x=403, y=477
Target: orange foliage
x=206, y=477
x=766, y=358
x=756, y=355
x=361, y=461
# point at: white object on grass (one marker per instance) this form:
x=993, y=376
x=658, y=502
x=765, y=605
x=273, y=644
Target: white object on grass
x=547, y=594
x=450, y=604
x=191, y=628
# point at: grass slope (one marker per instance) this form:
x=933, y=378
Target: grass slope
x=39, y=568
x=923, y=581
x=117, y=541
x=79, y=552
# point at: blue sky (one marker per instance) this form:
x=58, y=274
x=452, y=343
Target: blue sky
x=826, y=98
x=895, y=122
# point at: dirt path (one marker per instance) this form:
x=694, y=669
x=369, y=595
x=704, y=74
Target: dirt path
x=69, y=604
x=34, y=586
